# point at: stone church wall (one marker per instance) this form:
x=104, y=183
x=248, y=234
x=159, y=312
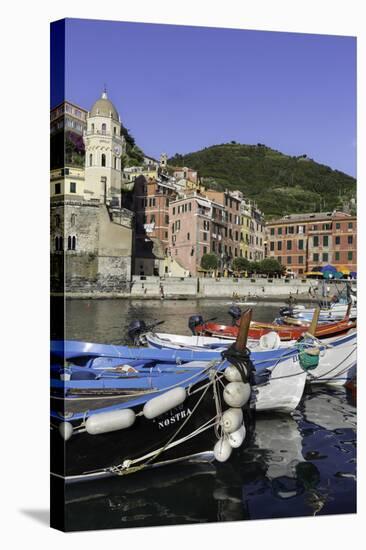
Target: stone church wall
x=101, y=261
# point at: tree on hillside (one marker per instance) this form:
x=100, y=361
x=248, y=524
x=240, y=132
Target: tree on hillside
x=134, y=153
x=262, y=173
x=209, y=262
x=240, y=264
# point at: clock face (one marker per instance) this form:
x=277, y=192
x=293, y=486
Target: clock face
x=117, y=150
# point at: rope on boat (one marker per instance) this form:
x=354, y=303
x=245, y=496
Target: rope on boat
x=127, y=466
x=333, y=368
x=121, y=469
x=312, y=376
x=218, y=404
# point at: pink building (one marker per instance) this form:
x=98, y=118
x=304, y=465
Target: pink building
x=194, y=220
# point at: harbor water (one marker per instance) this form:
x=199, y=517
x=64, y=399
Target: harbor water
x=303, y=464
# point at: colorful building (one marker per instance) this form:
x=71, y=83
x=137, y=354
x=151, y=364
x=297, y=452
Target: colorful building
x=230, y=201
x=257, y=235
x=302, y=242
x=151, y=199
x=69, y=180
x=195, y=227
x=246, y=216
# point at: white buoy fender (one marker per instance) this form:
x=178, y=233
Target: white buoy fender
x=232, y=420
x=271, y=340
x=65, y=429
x=232, y=374
x=237, y=438
x=109, y=421
x=222, y=450
x=236, y=394
x=163, y=403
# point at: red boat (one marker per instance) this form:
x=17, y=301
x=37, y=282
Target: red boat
x=285, y=332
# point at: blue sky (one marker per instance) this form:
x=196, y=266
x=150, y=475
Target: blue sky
x=179, y=89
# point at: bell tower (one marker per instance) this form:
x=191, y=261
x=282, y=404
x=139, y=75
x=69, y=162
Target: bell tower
x=104, y=147
x=163, y=161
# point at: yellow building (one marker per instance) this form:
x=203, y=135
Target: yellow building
x=68, y=181
x=245, y=213
x=133, y=172
x=195, y=186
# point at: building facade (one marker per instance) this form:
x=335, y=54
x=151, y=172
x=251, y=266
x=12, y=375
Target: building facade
x=151, y=200
x=192, y=226
x=213, y=222
x=67, y=126
x=230, y=202
x=256, y=235
x=68, y=181
x=68, y=116
x=303, y=242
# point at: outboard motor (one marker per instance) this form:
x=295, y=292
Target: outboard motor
x=195, y=321
x=235, y=314
x=135, y=329
x=286, y=311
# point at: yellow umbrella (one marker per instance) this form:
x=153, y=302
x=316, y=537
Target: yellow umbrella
x=343, y=269
x=313, y=273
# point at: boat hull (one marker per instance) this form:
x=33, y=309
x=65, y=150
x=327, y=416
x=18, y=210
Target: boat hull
x=285, y=332
x=187, y=430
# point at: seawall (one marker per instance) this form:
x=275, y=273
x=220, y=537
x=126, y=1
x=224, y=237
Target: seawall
x=175, y=288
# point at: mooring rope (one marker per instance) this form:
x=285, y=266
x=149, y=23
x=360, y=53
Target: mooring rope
x=125, y=467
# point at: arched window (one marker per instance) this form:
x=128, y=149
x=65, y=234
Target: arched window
x=104, y=128
x=90, y=160
x=56, y=243
x=92, y=128
x=103, y=159
x=114, y=130
x=57, y=221
x=61, y=243
x=115, y=162
x=73, y=219
x=73, y=243
x=69, y=243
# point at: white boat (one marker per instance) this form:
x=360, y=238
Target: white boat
x=284, y=389
x=337, y=360
x=331, y=314
x=163, y=340
x=335, y=312
x=337, y=355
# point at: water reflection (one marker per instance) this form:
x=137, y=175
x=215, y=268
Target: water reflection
x=105, y=321
x=292, y=466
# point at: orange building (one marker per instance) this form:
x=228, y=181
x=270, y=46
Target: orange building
x=302, y=242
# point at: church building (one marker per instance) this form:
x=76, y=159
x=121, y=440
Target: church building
x=91, y=230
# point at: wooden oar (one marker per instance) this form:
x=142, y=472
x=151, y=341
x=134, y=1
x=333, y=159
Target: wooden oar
x=241, y=340
x=314, y=322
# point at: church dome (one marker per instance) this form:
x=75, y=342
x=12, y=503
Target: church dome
x=104, y=107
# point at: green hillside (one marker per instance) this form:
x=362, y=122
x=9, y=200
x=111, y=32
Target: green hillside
x=280, y=184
